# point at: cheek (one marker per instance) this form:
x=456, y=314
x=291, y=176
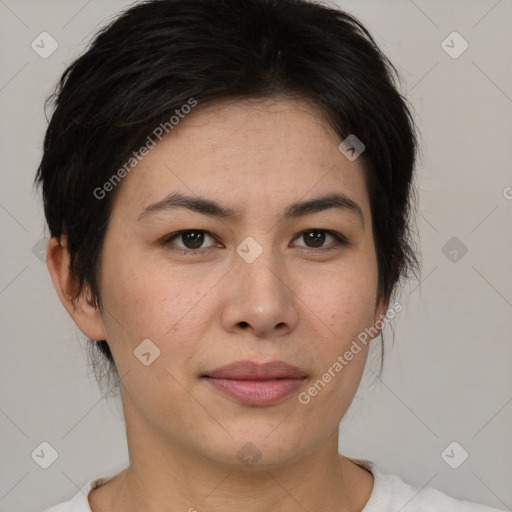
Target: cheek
x=342, y=305
x=146, y=302
x=149, y=294
x=142, y=306
x=345, y=313
x=342, y=298
x=143, y=302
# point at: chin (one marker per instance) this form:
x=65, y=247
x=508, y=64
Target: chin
x=259, y=449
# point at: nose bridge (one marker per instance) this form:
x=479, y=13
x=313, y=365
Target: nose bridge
x=258, y=294
x=257, y=263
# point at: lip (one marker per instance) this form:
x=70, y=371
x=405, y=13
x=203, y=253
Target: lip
x=250, y=370
x=252, y=383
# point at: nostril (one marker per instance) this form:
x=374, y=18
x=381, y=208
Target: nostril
x=244, y=324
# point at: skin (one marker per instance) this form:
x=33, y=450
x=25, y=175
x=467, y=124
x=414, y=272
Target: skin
x=302, y=307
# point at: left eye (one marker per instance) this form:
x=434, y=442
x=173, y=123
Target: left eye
x=193, y=239
x=317, y=237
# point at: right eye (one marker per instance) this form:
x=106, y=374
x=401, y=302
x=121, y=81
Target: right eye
x=192, y=240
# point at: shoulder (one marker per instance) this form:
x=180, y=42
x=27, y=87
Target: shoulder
x=390, y=493
x=79, y=502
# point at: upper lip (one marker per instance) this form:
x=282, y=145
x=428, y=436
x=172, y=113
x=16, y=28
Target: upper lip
x=251, y=370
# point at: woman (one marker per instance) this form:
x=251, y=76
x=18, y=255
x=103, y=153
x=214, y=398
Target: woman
x=228, y=187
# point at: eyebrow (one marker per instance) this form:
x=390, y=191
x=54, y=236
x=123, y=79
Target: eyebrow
x=214, y=209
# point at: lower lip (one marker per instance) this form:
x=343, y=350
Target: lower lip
x=256, y=392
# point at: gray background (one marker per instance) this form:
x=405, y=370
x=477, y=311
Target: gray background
x=447, y=378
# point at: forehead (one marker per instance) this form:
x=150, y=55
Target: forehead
x=246, y=152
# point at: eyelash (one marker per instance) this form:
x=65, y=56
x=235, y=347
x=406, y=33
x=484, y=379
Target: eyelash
x=340, y=241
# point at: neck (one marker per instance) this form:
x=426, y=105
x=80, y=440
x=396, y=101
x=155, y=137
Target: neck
x=318, y=482
x=165, y=476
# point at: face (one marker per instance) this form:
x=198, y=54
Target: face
x=258, y=285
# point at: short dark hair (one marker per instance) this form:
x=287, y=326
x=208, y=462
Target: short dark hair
x=157, y=55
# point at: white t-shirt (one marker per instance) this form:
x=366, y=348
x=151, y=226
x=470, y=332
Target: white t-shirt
x=390, y=494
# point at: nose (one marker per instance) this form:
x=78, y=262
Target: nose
x=259, y=297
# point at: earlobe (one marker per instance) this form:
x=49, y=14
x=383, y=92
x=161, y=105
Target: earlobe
x=87, y=318
x=57, y=260
x=382, y=307
x=380, y=312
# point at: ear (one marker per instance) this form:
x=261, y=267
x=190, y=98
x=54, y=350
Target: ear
x=380, y=309
x=87, y=318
